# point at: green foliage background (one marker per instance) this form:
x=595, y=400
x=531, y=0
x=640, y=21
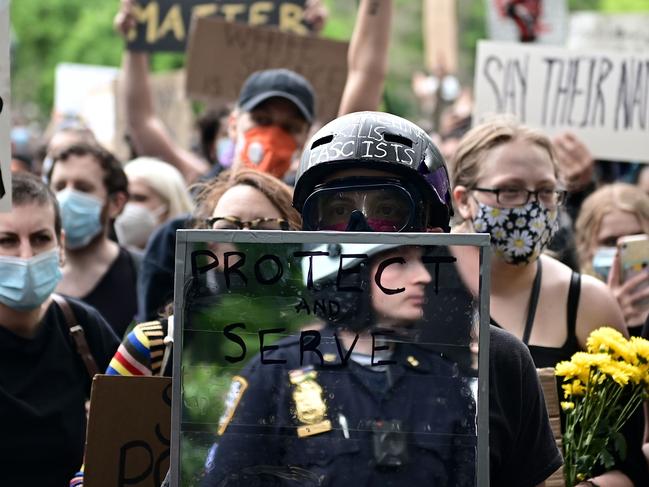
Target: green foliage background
x=53, y=31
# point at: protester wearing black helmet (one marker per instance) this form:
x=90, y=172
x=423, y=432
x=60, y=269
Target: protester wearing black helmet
x=348, y=168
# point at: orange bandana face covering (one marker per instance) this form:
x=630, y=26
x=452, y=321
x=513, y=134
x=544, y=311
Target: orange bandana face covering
x=268, y=149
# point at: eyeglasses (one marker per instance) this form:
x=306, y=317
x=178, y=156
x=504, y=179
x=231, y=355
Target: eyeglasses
x=233, y=223
x=511, y=197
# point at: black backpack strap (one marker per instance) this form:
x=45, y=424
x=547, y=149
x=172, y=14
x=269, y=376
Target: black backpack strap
x=78, y=335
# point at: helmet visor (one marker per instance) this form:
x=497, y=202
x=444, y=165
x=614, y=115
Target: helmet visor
x=381, y=207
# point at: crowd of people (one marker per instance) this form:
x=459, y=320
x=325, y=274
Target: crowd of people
x=90, y=241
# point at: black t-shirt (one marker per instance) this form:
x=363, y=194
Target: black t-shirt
x=115, y=295
x=43, y=389
x=522, y=447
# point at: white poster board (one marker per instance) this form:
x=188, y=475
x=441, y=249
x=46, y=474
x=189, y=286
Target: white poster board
x=602, y=97
x=86, y=92
x=5, y=112
x=623, y=32
x=550, y=23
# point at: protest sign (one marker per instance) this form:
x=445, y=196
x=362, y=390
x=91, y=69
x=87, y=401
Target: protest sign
x=440, y=36
x=265, y=323
x=170, y=104
x=127, y=442
x=595, y=30
x=221, y=55
x=163, y=25
x=602, y=97
x=540, y=21
x=5, y=112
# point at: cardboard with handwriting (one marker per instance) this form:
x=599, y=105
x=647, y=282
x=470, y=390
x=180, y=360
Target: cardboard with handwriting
x=221, y=55
x=601, y=96
x=163, y=25
x=127, y=442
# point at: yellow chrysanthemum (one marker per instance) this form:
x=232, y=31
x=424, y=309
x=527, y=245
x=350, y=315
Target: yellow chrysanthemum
x=574, y=388
x=567, y=369
x=609, y=340
x=641, y=347
x=567, y=405
x=615, y=371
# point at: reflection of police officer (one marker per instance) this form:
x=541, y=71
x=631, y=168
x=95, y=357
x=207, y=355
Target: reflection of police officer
x=408, y=423
x=353, y=407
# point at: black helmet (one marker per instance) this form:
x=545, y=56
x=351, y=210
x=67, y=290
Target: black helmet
x=385, y=142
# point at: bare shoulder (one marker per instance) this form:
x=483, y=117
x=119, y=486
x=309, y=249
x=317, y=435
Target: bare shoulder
x=597, y=307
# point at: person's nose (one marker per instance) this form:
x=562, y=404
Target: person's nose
x=26, y=250
x=420, y=273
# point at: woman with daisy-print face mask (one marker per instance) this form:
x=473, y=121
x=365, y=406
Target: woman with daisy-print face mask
x=506, y=182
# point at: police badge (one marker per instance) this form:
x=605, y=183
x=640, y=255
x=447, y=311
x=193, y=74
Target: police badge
x=310, y=407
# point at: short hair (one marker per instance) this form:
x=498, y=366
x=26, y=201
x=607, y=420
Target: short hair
x=165, y=180
x=608, y=198
x=27, y=189
x=280, y=194
x=471, y=151
x=115, y=179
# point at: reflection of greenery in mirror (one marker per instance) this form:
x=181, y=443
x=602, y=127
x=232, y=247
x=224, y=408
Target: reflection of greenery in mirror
x=206, y=372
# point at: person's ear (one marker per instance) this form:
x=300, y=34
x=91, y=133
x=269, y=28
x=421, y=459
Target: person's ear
x=116, y=203
x=462, y=202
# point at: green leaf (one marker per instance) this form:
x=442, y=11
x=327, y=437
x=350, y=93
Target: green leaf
x=619, y=443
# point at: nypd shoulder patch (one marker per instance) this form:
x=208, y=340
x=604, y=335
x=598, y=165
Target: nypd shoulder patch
x=237, y=388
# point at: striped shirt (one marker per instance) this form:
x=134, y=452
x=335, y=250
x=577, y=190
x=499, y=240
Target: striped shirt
x=141, y=352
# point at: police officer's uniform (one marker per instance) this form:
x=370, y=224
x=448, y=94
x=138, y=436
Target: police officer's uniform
x=329, y=424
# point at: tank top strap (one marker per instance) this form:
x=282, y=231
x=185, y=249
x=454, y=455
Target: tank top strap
x=534, y=300
x=573, y=304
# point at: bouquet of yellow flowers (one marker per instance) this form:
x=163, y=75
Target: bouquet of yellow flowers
x=602, y=388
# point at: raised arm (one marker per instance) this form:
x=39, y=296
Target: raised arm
x=367, y=59
x=149, y=135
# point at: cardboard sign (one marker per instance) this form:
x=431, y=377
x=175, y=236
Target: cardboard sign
x=624, y=32
x=5, y=112
x=602, y=97
x=221, y=55
x=440, y=35
x=170, y=104
x=511, y=20
x=163, y=25
x=127, y=442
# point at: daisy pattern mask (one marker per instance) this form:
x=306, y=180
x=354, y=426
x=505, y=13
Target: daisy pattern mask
x=518, y=235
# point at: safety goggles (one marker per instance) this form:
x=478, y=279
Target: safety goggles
x=372, y=205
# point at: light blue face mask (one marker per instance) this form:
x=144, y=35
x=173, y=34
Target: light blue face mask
x=603, y=261
x=81, y=216
x=27, y=283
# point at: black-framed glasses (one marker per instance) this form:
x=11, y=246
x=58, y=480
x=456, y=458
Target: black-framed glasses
x=233, y=223
x=550, y=198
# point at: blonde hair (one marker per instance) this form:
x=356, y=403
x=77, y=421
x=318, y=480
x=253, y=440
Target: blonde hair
x=165, y=180
x=612, y=197
x=477, y=142
x=279, y=194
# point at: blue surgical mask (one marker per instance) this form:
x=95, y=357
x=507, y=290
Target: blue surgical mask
x=603, y=261
x=27, y=283
x=81, y=216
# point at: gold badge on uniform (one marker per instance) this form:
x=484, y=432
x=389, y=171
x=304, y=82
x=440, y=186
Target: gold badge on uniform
x=310, y=407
